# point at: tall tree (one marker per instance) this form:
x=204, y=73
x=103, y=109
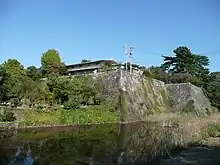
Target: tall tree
x=51, y=62
x=212, y=89
x=62, y=69
x=156, y=73
x=185, y=61
x=33, y=73
x=13, y=73
x=1, y=83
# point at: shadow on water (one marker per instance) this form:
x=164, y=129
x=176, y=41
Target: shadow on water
x=137, y=143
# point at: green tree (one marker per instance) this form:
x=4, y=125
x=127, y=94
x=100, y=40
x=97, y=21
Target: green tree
x=212, y=89
x=51, y=62
x=12, y=79
x=107, y=66
x=1, y=83
x=29, y=91
x=156, y=73
x=43, y=94
x=186, y=63
x=62, y=69
x=60, y=89
x=33, y=73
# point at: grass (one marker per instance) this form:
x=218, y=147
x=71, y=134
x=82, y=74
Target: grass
x=207, y=132
x=123, y=106
x=88, y=115
x=212, y=130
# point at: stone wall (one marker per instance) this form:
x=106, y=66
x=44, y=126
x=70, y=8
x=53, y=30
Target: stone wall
x=141, y=97
x=188, y=98
x=137, y=97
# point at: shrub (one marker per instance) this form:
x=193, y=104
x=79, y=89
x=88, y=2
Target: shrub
x=180, y=78
x=212, y=130
x=147, y=73
x=70, y=105
x=7, y=116
x=14, y=102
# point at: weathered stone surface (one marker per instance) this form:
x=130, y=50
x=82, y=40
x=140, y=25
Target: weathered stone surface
x=137, y=97
x=189, y=98
x=143, y=96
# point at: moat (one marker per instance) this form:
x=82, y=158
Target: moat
x=137, y=143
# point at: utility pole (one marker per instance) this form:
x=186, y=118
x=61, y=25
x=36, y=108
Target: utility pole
x=126, y=53
x=130, y=55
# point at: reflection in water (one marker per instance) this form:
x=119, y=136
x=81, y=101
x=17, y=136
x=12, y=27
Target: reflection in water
x=22, y=158
x=95, y=145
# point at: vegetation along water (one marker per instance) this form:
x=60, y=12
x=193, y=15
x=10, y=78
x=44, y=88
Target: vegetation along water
x=136, y=143
x=48, y=96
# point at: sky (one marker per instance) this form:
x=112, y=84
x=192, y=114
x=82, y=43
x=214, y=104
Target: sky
x=98, y=29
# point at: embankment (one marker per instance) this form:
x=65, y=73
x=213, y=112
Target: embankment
x=132, y=98
x=139, y=97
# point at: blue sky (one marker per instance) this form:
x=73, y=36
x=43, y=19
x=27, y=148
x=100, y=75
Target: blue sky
x=98, y=29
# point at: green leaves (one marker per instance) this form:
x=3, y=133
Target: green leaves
x=13, y=73
x=185, y=61
x=156, y=73
x=51, y=62
x=34, y=73
x=188, y=67
x=212, y=89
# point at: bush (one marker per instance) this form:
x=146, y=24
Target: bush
x=87, y=115
x=14, y=102
x=147, y=73
x=180, y=78
x=7, y=116
x=70, y=105
x=212, y=130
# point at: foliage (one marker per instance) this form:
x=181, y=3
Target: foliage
x=14, y=102
x=62, y=69
x=7, y=116
x=188, y=67
x=180, y=78
x=212, y=89
x=34, y=73
x=82, y=91
x=13, y=73
x=106, y=66
x=148, y=73
x=60, y=89
x=51, y=62
x=1, y=83
x=212, y=130
x=45, y=88
x=87, y=115
x=185, y=61
x=156, y=73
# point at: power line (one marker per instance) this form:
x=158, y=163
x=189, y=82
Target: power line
x=210, y=53
x=165, y=54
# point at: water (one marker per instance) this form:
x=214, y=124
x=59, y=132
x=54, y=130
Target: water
x=138, y=144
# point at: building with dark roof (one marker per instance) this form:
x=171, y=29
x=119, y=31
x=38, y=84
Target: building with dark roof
x=87, y=67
